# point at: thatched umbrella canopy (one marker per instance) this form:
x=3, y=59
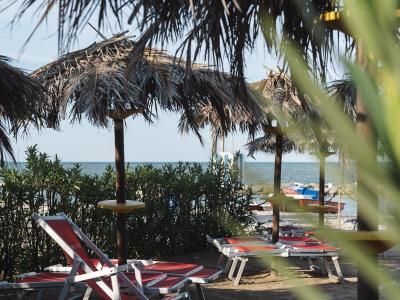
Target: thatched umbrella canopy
x=267, y=142
x=283, y=105
x=99, y=85
x=238, y=120
x=22, y=102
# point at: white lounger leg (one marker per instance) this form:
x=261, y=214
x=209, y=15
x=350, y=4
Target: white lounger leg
x=115, y=286
x=67, y=285
x=328, y=268
x=335, y=260
x=87, y=293
x=240, y=271
x=233, y=267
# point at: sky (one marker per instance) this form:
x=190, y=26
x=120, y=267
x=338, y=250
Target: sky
x=83, y=142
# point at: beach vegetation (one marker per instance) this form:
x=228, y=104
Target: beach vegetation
x=183, y=203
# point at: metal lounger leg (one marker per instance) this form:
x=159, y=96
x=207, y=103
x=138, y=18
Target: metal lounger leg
x=313, y=266
x=115, y=286
x=64, y=292
x=328, y=268
x=228, y=265
x=240, y=271
x=200, y=291
x=87, y=293
x=67, y=286
x=321, y=263
x=220, y=260
x=335, y=260
x=233, y=267
x=310, y=262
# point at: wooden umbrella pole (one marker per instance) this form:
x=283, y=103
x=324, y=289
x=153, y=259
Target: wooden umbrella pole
x=277, y=187
x=321, y=188
x=365, y=289
x=120, y=189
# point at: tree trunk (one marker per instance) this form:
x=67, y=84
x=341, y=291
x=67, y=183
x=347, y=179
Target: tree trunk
x=365, y=289
x=120, y=189
x=277, y=187
x=321, y=188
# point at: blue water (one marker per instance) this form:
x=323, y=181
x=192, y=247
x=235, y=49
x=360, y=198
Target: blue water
x=260, y=173
x=255, y=172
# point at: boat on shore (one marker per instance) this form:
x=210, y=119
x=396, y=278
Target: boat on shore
x=302, y=198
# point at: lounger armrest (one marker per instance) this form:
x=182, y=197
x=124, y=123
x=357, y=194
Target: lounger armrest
x=21, y=276
x=97, y=274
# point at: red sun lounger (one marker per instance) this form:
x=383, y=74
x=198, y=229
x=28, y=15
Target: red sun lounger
x=195, y=273
x=242, y=248
x=113, y=282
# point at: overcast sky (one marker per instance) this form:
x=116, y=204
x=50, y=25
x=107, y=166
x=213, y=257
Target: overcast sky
x=143, y=142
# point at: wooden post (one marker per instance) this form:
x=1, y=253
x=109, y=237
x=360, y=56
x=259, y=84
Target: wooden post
x=365, y=289
x=321, y=188
x=277, y=187
x=120, y=189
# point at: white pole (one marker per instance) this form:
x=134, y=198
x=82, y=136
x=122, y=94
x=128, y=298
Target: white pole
x=340, y=201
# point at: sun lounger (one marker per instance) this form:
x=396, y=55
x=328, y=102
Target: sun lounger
x=194, y=273
x=237, y=249
x=292, y=230
x=113, y=282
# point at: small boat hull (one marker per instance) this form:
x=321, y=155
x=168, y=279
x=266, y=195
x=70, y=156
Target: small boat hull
x=330, y=207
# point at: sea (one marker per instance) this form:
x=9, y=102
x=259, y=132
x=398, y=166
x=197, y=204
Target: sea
x=257, y=173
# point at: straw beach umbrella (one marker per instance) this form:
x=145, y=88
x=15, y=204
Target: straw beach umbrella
x=310, y=133
x=283, y=105
x=279, y=101
x=22, y=102
x=101, y=87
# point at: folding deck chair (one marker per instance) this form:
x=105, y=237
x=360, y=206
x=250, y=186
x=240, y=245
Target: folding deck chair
x=194, y=273
x=242, y=248
x=113, y=282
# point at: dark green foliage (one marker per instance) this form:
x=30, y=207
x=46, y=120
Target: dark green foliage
x=183, y=203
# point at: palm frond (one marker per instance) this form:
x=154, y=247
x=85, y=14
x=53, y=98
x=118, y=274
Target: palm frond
x=217, y=29
x=344, y=92
x=23, y=102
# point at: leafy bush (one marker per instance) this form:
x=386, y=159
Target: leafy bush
x=183, y=203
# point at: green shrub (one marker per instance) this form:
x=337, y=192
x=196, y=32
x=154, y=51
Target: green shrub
x=183, y=203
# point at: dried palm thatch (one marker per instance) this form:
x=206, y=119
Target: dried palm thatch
x=224, y=28
x=98, y=83
x=266, y=144
x=303, y=127
x=237, y=120
x=277, y=96
x=22, y=102
x=282, y=102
